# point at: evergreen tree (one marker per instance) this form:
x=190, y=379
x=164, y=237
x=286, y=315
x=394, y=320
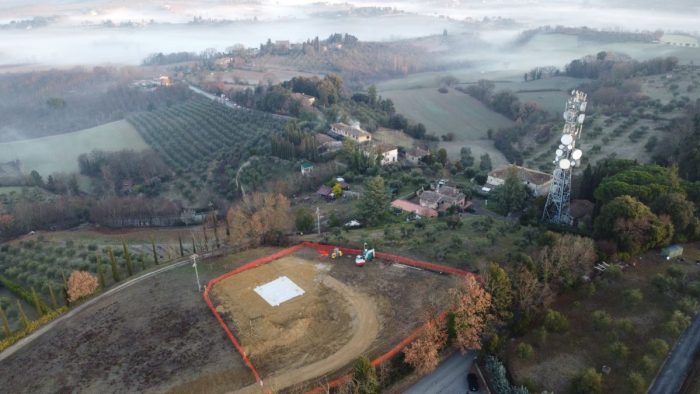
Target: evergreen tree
x=485, y=163
x=5, y=323
x=22, y=316
x=364, y=377
x=127, y=256
x=101, y=276
x=37, y=302
x=65, y=289
x=512, y=195
x=182, y=250
x=194, y=245
x=374, y=203
x=54, y=302
x=155, y=253
x=143, y=262
x=113, y=264
x=206, y=238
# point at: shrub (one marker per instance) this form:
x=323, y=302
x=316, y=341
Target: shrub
x=632, y=296
x=588, y=382
x=627, y=326
x=688, y=305
x=554, y=321
x=678, y=323
x=647, y=364
x=81, y=284
x=601, y=320
x=658, y=347
x=525, y=351
x=618, y=350
x=637, y=382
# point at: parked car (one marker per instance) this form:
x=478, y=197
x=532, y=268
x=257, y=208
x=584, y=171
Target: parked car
x=473, y=382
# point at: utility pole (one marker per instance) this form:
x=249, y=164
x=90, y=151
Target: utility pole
x=196, y=273
x=318, y=220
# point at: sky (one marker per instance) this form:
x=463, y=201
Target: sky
x=76, y=37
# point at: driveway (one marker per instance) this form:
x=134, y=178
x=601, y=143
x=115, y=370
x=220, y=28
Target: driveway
x=450, y=377
x=677, y=366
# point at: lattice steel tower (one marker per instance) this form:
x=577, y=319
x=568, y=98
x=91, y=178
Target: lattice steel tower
x=556, y=210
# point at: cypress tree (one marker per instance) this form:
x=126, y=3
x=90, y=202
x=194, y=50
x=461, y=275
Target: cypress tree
x=54, y=302
x=113, y=263
x=228, y=230
x=22, y=315
x=5, y=323
x=100, y=272
x=65, y=289
x=127, y=256
x=182, y=250
x=216, y=237
x=194, y=245
x=155, y=254
x=206, y=238
x=143, y=261
x=36, y=302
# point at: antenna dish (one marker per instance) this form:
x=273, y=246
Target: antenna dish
x=576, y=154
x=567, y=139
x=564, y=164
x=559, y=152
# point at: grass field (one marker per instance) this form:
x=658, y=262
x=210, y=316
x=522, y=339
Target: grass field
x=453, y=112
x=393, y=137
x=59, y=153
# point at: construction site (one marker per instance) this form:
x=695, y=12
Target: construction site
x=303, y=315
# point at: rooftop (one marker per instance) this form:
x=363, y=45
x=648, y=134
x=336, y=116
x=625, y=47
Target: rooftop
x=350, y=130
x=412, y=207
x=525, y=174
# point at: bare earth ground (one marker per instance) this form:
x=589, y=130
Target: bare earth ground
x=345, y=312
x=155, y=336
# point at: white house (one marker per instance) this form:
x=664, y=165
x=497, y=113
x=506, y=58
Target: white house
x=351, y=132
x=537, y=181
x=389, y=153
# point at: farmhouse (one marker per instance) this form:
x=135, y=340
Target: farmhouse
x=304, y=99
x=442, y=198
x=538, y=182
x=408, y=206
x=679, y=40
x=351, y=132
x=327, y=143
x=415, y=154
x=388, y=153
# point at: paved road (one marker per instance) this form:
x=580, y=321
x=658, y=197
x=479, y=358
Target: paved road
x=449, y=378
x=36, y=334
x=677, y=366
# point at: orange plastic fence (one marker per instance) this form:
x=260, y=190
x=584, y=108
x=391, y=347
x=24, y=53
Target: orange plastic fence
x=325, y=250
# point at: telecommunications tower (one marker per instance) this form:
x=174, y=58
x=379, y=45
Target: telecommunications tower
x=556, y=210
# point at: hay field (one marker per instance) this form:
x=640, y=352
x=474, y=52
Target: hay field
x=59, y=153
x=453, y=112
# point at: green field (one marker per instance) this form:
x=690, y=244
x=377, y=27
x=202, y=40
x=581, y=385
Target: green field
x=59, y=153
x=453, y=112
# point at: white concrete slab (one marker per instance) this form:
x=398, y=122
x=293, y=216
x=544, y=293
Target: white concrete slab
x=279, y=290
